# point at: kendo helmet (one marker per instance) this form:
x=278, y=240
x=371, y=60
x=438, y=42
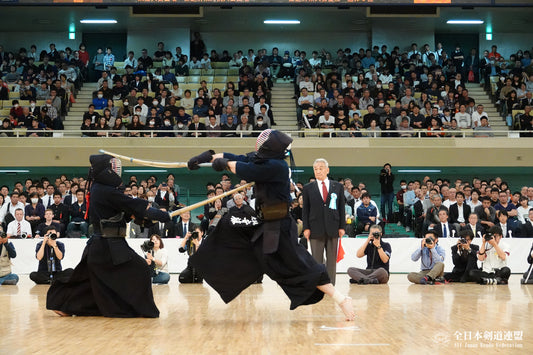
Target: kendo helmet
x=272, y=144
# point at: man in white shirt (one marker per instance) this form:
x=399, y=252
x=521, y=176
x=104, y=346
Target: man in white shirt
x=306, y=83
x=451, y=198
x=19, y=228
x=10, y=207
x=131, y=61
x=476, y=116
x=493, y=253
x=48, y=199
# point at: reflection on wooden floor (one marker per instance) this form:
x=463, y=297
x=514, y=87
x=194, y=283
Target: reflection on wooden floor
x=397, y=318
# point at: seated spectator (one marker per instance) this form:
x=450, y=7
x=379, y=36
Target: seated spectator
x=507, y=225
x=463, y=118
x=34, y=211
x=486, y=213
x=464, y=257
x=163, y=229
x=474, y=226
x=7, y=252
x=244, y=127
x=48, y=221
x=227, y=113
x=260, y=125
x=406, y=130
x=157, y=258
x=431, y=257
x=309, y=119
x=19, y=228
x=199, y=108
x=378, y=253
x=459, y=211
x=101, y=127
x=366, y=214
x=6, y=129
x=37, y=129
x=494, y=254
x=326, y=121
x=77, y=213
x=182, y=69
x=229, y=127
x=166, y=126
x=196, y=128
x=483, y=130
x=50, y=252
x=99, y=101
x=443, y=227
x=213, y=129
x=523, y=210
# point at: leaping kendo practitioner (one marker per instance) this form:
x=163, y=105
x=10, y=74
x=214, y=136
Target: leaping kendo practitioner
x=111, y=280
x=243, y=247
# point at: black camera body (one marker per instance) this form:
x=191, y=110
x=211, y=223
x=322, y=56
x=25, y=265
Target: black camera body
x=488, y=237
x=147, y=246
x=53, y=236
x=194, y=235
x=462, y=241
x=3, y=235
x=429, y=240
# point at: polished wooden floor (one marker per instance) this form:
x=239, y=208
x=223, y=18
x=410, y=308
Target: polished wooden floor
x=397, y=318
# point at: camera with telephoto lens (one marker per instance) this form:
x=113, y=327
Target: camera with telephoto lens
x=53, y=236
x=3, y=235
x=429, y=240
x=462, y=241
x=147, y=246
x=488, y=237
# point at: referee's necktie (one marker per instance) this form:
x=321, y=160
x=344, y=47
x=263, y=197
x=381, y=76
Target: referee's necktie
x=324, y=191
x=18, y=229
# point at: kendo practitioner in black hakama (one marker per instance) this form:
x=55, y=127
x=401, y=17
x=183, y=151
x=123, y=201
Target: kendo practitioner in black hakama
x=244, y=245
x=111, y=280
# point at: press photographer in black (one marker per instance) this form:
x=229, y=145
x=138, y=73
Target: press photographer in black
x=49, y=252
x=191, y=243
x=464, y=256
x=378, y=254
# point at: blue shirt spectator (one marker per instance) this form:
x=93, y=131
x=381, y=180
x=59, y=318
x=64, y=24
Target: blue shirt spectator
x=429, y=257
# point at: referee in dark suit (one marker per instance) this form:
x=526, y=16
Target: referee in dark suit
x=323, y=216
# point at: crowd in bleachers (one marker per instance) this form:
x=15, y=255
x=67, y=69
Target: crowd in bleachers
x=371, y=92
x=415, y=201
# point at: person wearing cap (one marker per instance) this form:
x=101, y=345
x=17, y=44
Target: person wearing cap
x=111, y=280
x=244, y=246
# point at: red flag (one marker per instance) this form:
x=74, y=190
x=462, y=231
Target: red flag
x=340, y=251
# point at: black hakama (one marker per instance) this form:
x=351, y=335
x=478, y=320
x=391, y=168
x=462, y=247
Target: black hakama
x=111, y=280
x=230, y=261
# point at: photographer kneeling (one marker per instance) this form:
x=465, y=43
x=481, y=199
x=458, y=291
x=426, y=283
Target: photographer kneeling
x=50, y=252
x=378, y=254
x=464, y=256
x=191, y=243
x=157, y=258
x=494, y=253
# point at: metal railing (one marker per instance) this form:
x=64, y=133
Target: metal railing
x=314, y=132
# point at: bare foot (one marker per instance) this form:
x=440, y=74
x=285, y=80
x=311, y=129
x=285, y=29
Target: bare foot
x=62, y=314
x=347, y=308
